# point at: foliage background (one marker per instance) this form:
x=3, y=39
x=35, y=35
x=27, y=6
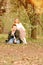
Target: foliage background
x=16, y=10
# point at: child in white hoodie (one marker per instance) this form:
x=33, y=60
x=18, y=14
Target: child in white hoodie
x=22, y=30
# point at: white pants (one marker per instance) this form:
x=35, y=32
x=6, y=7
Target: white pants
x=24, y=41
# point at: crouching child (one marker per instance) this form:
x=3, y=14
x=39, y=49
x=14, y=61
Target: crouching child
x=14, y=36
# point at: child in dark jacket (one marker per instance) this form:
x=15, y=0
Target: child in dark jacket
x=14, y=36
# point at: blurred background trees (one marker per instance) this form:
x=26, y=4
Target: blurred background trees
x=27, y=11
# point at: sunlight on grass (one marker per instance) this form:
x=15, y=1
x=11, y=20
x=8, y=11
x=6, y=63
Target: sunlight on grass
x=3, y=37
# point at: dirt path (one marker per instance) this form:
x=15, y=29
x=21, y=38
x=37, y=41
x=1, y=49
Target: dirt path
x=30, y=54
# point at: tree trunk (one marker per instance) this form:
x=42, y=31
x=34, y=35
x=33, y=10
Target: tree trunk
x=1, y=27
x=34, y=33
x=34, y=23
x=2, y=7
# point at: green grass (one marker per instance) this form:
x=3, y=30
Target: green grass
x=3, y=37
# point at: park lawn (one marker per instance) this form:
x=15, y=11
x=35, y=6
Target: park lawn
x=3, y=37
x=21, y=54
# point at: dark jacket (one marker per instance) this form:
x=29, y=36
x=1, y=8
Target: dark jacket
x=16, y=34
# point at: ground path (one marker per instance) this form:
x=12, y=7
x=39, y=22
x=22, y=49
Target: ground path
x=30, y=54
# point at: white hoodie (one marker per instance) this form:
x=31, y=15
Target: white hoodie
x=22, y=30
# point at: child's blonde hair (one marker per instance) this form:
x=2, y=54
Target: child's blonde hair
x=16, y=21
